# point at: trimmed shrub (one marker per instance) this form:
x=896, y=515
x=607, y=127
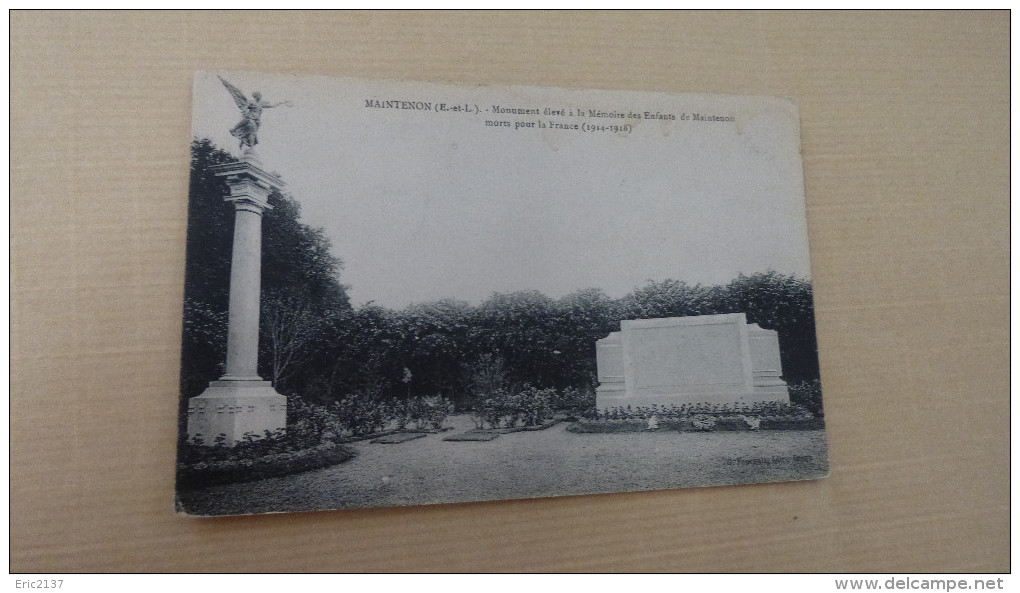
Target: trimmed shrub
x=809, y=395
x=243, y=468
x=752, y=422
x=730, y=423
x=529, y=407
x=309, y=425
x=613, y=425
x=701, y=417
x=430, y=411
x=534, y=405
x=361, y=412
x=793, y=424
x=677, y=424
x=704, y=422
x=490, y=410
x=400, y=412
x=574, y=401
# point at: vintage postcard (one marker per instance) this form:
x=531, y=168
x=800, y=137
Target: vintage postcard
x=410, y=293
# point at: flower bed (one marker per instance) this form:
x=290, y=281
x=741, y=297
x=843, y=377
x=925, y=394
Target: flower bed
x=371, y=435
x=227, y=471
x=488, y=434
x=528, y=407
x=544, y=425
x=476, y=434
x=398, y=437
x=613, y=425
x=699, y=418
x=779, y=424
x=756, y=409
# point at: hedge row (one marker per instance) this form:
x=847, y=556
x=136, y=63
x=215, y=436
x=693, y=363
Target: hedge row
x=203, y=474
x=763, y=410
x=720, y=424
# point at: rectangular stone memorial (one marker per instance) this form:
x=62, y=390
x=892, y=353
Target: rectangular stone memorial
x=678, y=360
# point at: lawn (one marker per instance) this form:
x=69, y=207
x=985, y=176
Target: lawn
x=551, y=462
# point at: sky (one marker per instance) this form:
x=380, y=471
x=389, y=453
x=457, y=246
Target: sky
x=423, y=205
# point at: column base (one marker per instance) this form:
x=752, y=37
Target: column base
x=234, y=407
x=610, y=394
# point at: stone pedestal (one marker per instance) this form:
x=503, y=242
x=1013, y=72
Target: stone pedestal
x=234, y=408
x=609, y=361
x=685, y=360
x=241, y=402
x=767, y=368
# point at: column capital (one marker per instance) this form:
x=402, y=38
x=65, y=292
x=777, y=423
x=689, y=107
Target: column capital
x=249, y=203
x=250, y=184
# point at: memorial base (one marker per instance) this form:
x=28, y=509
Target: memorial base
x=611, y=394
x=771, y=389
x=234, y=408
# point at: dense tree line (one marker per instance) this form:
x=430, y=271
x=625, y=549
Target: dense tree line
x=434, y=348
x=313, y=343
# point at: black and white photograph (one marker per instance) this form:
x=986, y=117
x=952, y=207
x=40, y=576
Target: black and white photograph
x=408, y=293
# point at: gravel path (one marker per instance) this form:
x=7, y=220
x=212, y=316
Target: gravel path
x=549, y=462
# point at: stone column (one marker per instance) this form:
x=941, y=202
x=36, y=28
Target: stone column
x=245, y=286
x=241, y=402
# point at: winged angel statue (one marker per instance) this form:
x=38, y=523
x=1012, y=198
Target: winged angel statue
x=247, y=131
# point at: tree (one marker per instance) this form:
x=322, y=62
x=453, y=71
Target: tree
x=522, y=328
x=785, y=304
x=207, y=271
x=669, y=298
x=296, y=258
x=583, y=317
x=300, y=291
x=436, y=342
x=287, y=327
x=359, y=350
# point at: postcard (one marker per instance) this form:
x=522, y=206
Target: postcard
x=408, y=293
